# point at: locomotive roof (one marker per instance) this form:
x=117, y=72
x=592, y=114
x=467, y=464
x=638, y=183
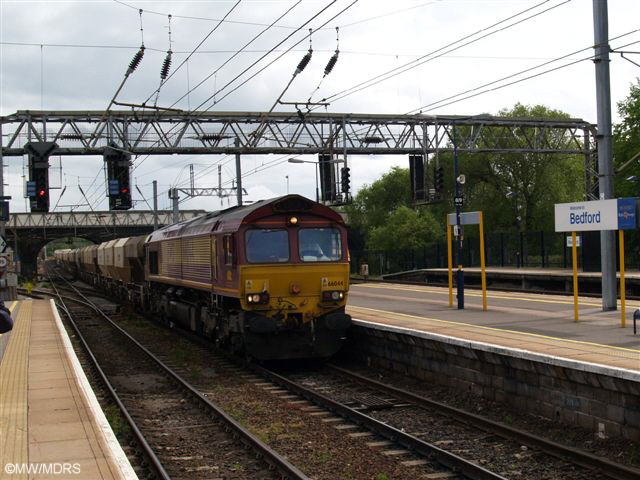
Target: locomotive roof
x=230, y=219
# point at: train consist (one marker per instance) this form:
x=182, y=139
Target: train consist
x=269, y=279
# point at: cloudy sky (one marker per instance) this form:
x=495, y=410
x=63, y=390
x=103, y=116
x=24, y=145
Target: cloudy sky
x=72, y=55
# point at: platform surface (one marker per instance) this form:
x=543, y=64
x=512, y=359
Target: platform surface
x=51, y=422
x=537, y=323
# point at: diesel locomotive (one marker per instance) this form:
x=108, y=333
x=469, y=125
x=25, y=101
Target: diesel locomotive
x=269, y=279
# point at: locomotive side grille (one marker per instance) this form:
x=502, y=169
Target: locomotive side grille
x=171, y=259
x=196, y=264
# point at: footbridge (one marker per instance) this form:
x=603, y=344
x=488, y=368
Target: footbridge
x=27, y=233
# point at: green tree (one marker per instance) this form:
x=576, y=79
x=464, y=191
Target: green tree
x=508, y=185
x=383, y=212
x=626, y=143
x=404, y=229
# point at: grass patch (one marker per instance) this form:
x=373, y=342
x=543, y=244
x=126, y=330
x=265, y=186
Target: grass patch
x=118, y=424
x=381, y=476
x=322, y=456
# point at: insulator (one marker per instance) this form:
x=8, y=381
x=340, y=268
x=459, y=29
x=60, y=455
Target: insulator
x=137, y=58
x=166, y=65
x=304, y=62
x=331, y=63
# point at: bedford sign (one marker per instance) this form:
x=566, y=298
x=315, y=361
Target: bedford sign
x=613, y=214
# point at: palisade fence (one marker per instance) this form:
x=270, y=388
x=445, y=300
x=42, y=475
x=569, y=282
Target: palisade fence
x=504, y=249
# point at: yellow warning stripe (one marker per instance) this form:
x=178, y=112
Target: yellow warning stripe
x=13, y=390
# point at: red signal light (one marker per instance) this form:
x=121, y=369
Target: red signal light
x=42, y=192
x=124, y=190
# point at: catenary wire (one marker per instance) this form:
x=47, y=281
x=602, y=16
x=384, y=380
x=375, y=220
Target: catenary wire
x=432, y=55
x=238, y=52
x=273, y=61
x=197, y=46
x=516, y=74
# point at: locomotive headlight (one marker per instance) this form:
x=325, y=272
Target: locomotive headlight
x=293, y=220
x=332, y=296
x=261, y=298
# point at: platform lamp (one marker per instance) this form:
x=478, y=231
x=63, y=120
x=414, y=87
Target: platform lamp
x=518, y=220
x=635, y=178
x=459, y=180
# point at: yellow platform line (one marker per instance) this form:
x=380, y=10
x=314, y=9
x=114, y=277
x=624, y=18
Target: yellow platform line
x=615, y=351
x=14, y=439
x=444, y=291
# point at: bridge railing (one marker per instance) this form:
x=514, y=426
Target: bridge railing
x=129, y=218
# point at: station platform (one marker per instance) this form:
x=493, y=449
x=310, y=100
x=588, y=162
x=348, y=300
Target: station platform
x=526, y=350
x=542, y=324
x=51, y=425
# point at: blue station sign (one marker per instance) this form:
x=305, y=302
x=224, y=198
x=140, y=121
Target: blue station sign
x=627, y=218
x=612, y=214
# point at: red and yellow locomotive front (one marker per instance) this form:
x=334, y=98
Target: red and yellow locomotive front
x=294, y=279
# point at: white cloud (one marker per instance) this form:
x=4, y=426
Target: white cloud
x=86, y=78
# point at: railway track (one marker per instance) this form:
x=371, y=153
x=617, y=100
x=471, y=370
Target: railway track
x=421, y=460
x=476, y=436
x=181, y=433
x=380, y=415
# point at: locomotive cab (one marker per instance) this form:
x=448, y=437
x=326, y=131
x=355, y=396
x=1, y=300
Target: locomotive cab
x=294, y=280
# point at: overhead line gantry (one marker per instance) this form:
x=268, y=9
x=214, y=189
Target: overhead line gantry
x=296, y=133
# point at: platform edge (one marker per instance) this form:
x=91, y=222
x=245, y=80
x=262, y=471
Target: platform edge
x=115, y=449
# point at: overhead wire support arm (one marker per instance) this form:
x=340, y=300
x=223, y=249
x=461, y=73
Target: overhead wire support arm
x=257, y=133
x=327, y=70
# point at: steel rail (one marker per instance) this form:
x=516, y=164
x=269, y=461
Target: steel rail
x=150, y=455
x=584, y=459
x=269, y=455
x=457, y=464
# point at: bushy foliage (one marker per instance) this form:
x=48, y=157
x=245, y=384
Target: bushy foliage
x=383, y=212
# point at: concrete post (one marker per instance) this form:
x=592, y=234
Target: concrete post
x=155, y=205
x=238, y=174
x=605, y=149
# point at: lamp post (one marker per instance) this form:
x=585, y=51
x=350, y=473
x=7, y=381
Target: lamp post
x=513, y=195
x=299, y=160
x=459, y=180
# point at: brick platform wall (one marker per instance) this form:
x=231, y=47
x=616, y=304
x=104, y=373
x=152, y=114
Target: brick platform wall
x=591, y=396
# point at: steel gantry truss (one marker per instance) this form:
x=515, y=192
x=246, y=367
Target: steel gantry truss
x=158, y=133
x=96, y=219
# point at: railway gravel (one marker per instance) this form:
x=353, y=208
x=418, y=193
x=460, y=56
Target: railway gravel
x=188, y=440
x=305, y=435
x=615, y=449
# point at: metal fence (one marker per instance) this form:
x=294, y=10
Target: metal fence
x=503, y=249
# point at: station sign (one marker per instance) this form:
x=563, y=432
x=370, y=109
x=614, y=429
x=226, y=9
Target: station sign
x=466, y=218
x=114, y=187
x=613, y=214
x=31, y=188
x=570, y=241
x=627, y=218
